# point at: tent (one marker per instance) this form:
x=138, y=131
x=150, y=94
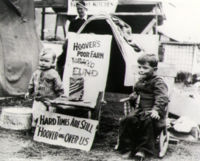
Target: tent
x=19, y=46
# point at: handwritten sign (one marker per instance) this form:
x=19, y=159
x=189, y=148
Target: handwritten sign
x=67, y=131
x=94, y=6
x=88, y=57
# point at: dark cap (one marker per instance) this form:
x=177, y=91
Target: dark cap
x=81, y=4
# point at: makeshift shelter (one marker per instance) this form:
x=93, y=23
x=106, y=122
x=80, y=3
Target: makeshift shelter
x=143, y=16
x=124, y=50
x=19, y=46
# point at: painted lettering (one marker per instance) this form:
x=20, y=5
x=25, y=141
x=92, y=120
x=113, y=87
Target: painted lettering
x=62, y=121
x=42, y=132
x=83, y=61
x=94, y=54
x=75, y=123
x=86, y=126
x=87, y=45
x=83, y=54
x=83, y=141
x=69, y=138
x=47, y=121
x=84, y=72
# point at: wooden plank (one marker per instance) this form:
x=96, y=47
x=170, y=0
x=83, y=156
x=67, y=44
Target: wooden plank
x=124, y=14
x=149, y=26
x=136, y=14
x=42, y=23
x=50, y=3
x=72, y=103
x=138, y=2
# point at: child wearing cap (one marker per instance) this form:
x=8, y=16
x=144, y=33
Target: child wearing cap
x=138, y=130
x=44, y=85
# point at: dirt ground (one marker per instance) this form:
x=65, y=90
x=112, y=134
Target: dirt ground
x=19, y=146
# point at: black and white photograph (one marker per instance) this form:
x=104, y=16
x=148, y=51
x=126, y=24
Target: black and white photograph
x=99, y=80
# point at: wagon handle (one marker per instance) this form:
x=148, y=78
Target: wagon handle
x=124, y=99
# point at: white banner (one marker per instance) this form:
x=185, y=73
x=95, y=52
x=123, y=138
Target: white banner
x=149, y=44
x=94, y=6
x=86, y=67
x=67, y=131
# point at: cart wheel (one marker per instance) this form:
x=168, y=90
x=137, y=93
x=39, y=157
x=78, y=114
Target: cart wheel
x=163, y=142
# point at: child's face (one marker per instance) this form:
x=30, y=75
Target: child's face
x=45, y=62
x=145, y=70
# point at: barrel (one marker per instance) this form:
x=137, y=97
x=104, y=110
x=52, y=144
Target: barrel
x=16, y=118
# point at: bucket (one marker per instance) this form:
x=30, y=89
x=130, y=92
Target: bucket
x=16, y=118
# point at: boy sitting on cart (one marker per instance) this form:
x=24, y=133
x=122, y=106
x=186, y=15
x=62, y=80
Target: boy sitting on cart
x=139, y=129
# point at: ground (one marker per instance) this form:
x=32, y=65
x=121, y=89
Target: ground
x=20, y=146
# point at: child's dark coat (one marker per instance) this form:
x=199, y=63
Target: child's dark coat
x=138, y=130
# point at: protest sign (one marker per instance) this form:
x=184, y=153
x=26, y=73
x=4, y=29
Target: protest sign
x=94, y=6
x=86, y=66
x=67, y=131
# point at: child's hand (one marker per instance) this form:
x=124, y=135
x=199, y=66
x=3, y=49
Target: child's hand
x=26, y=95
x=155, y=115
x=133, y=96
x=47, y=103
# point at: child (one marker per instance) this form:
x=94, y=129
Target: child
x=138, y=130
x=44, y=85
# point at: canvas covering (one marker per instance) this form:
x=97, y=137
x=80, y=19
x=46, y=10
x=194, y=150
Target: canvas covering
x=19, y=46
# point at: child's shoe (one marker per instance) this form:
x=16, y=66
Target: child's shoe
x=140, y=156
x=126, y=155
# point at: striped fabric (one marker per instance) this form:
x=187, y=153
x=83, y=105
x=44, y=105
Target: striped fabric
x=128, y=108
x=76, y=89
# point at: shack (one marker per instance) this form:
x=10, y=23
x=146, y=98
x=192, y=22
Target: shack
x=142, y=16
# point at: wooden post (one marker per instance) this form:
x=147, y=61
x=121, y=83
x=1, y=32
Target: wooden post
x=43, y=23
x=156, y=32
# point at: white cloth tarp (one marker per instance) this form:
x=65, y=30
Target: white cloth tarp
x=149, y=44
x=19, y=46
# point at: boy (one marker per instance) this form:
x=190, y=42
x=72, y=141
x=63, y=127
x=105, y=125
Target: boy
x=138, y=130
x=45, y=84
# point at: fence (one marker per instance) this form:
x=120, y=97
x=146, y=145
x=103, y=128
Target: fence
x=185, y=56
